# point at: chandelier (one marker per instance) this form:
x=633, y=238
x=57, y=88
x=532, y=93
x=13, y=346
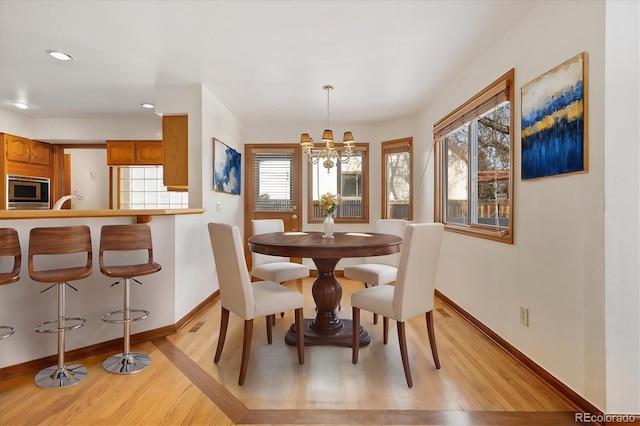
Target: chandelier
x=328, y=154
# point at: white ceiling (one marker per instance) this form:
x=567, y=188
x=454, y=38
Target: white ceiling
x=264, y=60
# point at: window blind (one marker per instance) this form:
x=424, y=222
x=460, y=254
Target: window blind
x=474, y=108
x=272, y=175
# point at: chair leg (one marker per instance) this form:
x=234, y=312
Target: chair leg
x=269, y=321
x=299, y=321
x=127, y=362
x=385, y=330
x=356, y=334
x=224, y=322
x=61, y=375
x=246, y=350
x=402, y=339
x=432, y=338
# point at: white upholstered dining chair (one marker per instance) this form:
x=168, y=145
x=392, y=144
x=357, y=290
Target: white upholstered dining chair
x=274, y=268
x=379, y=270
x=412, y=293
x=246, y=299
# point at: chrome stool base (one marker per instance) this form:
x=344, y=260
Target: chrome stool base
x=6, y=331
x=126, y=363
x=60, y=377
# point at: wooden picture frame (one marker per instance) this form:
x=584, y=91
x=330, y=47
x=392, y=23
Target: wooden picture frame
x=554, y=121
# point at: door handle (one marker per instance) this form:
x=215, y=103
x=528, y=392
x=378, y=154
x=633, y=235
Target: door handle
x=294, y=216
x=294, y=208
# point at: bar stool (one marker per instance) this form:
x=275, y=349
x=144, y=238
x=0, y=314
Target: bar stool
x=9, y=246
x=127, y=238
x=63, y=240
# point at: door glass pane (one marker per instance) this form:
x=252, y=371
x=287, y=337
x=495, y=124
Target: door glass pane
x=273, y=186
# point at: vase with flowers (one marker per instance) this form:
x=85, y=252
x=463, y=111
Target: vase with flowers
x=328, y=204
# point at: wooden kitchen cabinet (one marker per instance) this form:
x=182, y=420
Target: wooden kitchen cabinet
x=175, y=140
x=128, y=153
x=27, y=151
x=149, y=152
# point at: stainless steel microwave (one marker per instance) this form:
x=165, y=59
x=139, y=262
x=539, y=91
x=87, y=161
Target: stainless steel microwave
x=27, y=193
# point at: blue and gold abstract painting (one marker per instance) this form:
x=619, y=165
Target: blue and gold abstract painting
x=554, y=121
x=226, y=168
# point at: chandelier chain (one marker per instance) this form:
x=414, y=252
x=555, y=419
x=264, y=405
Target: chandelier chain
x=328, y=88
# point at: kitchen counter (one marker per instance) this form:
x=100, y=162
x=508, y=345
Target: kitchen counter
x=181, y=245
x=142, y=216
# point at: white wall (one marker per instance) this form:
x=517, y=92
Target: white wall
x=89, y=178
x=80, y=130
x=95, y=129
x=555, y=267
x=208, y=118
x=15, y=124
x=622, y=206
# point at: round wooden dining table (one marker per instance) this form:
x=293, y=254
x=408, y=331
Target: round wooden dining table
x=326, y=328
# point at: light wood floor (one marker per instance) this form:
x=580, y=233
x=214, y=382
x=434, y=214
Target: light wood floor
x=478, y=382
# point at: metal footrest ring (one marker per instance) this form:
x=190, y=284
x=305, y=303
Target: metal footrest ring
x=144, y=315
x=126, y=363
x=60, y=377
x=81, y=322
x=9, y=331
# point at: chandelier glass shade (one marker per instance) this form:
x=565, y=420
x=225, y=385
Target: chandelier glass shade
x=328, y=154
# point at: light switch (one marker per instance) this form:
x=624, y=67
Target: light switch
x=219, y=206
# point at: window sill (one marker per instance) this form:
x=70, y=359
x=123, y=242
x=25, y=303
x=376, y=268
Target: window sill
x=503, y=235
x=341, y=220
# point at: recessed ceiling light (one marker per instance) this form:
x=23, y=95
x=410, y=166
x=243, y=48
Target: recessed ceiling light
x=147, y=105
x=60, y=55
x=20, y=105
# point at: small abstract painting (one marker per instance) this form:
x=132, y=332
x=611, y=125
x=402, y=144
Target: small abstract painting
x=227, y=173
x=554, y=120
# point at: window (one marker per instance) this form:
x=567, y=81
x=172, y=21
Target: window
x=348, y=180
x=140, y=187
x=474, y=157
x=272, y=181
x=397, y=171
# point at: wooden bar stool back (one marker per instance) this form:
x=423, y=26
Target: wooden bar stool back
x=9, y=247
x=127, y=238
x=64, y=240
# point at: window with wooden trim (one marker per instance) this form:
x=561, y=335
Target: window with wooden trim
x=474, y=164
x=350, y=181
x=397, y=172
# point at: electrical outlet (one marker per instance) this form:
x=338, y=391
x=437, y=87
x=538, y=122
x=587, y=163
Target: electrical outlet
x=524, y=316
